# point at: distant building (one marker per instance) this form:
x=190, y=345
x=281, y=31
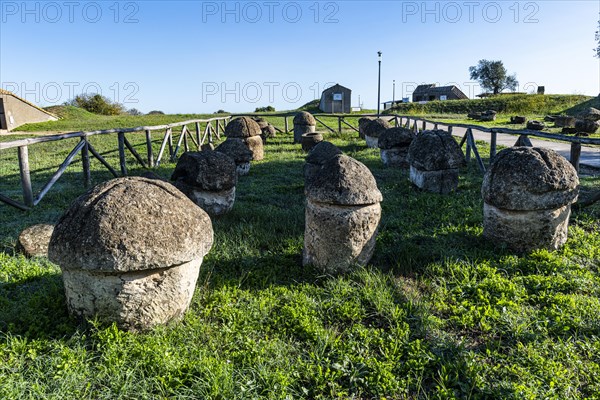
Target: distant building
x=336, y=99
x=15, y=111
x=432, y=92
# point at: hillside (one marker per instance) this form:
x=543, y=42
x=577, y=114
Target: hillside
x=517, y=104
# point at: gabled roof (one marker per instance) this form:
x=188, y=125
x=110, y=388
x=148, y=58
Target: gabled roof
x=440, y=90
x=337, y=86
x=6, y=92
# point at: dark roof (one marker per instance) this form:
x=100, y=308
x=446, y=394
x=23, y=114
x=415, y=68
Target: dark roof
x=335, y=87
x=441, y=90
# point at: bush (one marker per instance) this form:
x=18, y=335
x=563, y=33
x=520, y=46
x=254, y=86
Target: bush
x=134, y=111
x=97, y=104
x=265, y=109
x=156, y=112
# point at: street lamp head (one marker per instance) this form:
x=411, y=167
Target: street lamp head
x=379, y=54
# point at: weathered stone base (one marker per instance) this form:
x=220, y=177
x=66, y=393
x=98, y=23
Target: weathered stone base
x=300, y=130
x=214, y=203
x=255, y=145
x=395, y=157
x=442, y=181
x=136, y=301
x=523, y=231
x=337, y=238
x=33, y=241
x=242, y=169
x=372, y=142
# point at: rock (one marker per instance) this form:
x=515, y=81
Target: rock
x=362, y=124
x=591, y=113
x=586, y=125
x=373, y=129
x=208, y=178
x=239, y=151
x=394, y=143
x=527, y=193
x=489, y=115
x=549, y=118
x=435, y=158
x=564, y=121
x=474, y=115
x=33, y=241
x=304, y=122
x=535, y=125
x=317, y=156
x=130, y=251
x=309, y=140
x=255, y=145
x=569, y=131
x=242, y=127
x=518, y=119
x=267, y=133
x=342, y=216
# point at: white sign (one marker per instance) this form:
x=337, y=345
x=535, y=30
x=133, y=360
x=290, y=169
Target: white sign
x=337, y=96
x=443, y=97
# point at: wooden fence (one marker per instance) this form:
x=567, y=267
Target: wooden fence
x=200, y=136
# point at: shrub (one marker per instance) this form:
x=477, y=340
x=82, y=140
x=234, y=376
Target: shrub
x=97, y=104
x=265, y=109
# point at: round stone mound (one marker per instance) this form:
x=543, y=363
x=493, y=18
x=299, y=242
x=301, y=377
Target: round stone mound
x=206, y=170
x=395, y=137
x=304, y=118
x=33, y=241
x=242, y=127
x=322, y=152
x=530, y=178
x=343, y=181
x=130, y=252
x=435, y=150
x=236, y=149
x=376, y=127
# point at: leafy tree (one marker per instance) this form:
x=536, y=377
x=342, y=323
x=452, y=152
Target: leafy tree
x=492, y=76
x=265, y=109
x=156, y=112
x=134, y=111
x=97, y=104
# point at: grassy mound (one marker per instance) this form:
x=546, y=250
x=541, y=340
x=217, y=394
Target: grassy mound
x=70, y=112
x=514, y=104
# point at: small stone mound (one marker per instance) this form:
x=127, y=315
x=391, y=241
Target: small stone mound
x=395, y=137
x=376, y=127
x=206, y=170
x=587, y=125
x=518, y=119
x=33, y=241
x=529, y=178
x=317, y=156
x=262, y=123
x=564, y=121
x=242, y=127
x=344, y=181
x=435, y=150
x=362, y=124
x=304, y=118
x=591, y=113
x=536, y=125
x=236, y=149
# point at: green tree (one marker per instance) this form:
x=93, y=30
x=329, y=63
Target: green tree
x=493, y=77
x=597, y=49
x=97, y=104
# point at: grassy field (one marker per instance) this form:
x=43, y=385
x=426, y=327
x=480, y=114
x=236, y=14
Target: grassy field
x=439, y=312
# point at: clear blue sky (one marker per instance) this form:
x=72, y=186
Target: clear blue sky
x=201, y=56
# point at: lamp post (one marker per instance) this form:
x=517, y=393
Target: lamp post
x=393, y=92
x=379, y=84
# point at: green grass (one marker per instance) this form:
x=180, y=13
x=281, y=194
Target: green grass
x=509, y=104
x=439, y=312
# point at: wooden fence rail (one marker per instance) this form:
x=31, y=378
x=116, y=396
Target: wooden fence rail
x=85, y=148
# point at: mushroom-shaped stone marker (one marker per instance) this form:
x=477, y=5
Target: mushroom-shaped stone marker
x=342, y=216
x=304, y=122
x=246, y=129
x=241, y=154
x=362, y=124
x=373, y=130
x=208, y=178
x=130, y=252
x=527, y=194
x=394, y=143
x=317, y=156
x=434, y=158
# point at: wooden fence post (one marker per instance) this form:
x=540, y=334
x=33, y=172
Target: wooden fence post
x=149, y=151
x=286, y=125
x=198, y=138
x=493, y=141
x=340, y=119
x=575, y=155
x=170, y=133
x=25, y=176
x=122, y=163
x=85, y=162
x=468, y=150
x=424, y=125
